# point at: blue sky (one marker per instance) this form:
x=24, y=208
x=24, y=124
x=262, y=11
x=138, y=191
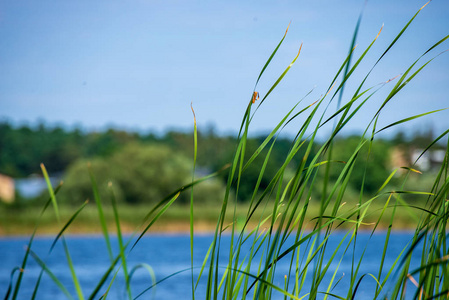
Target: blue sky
x=139, y=64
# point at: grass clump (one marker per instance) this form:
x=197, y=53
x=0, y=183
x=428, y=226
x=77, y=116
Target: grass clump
x=277, y=223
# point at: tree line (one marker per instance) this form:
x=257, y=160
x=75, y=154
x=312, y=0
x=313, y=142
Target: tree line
x=149, y=166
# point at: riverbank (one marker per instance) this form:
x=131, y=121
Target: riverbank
x=22, y=221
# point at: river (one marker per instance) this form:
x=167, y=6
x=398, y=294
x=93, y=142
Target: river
x=166, y=255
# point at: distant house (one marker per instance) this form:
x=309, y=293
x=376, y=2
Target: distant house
x=428, y=161
x=34, y=185
x=7, y=190
x=431, y=160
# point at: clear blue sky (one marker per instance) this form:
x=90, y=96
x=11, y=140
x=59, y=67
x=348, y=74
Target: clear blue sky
x=139, y=64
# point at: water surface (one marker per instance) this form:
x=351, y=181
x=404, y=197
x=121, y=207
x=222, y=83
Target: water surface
x=168, y=255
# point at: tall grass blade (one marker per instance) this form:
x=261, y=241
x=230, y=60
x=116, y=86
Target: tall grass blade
x=345, y=73
x=156, y=217
x=195, y=150
x=101, y=217
x=271, y=56
x=400, y=33
x=66, y=249
x=120, y=239
x=104, y=278
x=25, y=258
x=50, y=190
x=280, y=77
x=69, y=222
x=50, y=273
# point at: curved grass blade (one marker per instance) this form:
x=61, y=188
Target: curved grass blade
x=146, y=267
x=104, y=278
x=166, y=206
x=280, y=77
x=66, y=249
x=8, y=291
x=163, y=279
x=25, y=258
x=50, y=273
x=271, y=56
x=61, y=232
x=409, y=119
x=431, y=144
x=50, y=190
x=101, y=217
x=360, y=281
x=206, y=257
x=403, y=80
x=120, y=239
x=106, y=293
x=400, y=33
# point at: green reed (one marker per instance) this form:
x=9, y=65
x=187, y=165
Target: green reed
x=288, y=203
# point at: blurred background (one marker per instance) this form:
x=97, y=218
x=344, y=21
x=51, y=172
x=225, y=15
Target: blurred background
x=111, y=83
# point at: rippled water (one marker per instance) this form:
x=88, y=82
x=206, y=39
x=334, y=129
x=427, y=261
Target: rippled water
x=167, y=255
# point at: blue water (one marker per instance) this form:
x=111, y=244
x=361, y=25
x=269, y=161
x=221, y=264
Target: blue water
x=166, y=255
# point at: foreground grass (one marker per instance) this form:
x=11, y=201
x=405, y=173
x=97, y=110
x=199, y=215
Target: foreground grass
x=284, y=221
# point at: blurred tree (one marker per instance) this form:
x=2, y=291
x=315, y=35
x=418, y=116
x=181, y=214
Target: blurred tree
x=24, y=148
x=149, y=173
x=140, y=174
x=77, y=186
x=106, y=143
x=374, y=165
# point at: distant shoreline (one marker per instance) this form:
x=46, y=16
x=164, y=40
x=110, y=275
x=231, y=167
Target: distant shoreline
x=172, y=229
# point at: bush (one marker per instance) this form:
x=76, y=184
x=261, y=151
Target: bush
x=140, y=174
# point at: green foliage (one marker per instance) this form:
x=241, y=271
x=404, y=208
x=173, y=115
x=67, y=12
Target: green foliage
x=77, y=184
x=374, y=162
x=25, y=147
x=149, y=173
x=139, y=174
